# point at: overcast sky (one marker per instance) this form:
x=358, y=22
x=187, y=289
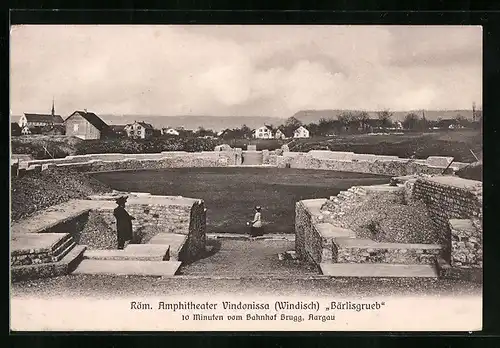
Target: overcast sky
x=243, y=70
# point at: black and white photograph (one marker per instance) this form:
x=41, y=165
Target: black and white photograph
x=246, y=178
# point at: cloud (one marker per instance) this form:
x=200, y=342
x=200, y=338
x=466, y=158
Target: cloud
x=243, y=70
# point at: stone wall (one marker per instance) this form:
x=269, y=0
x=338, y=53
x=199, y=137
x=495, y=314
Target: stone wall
x=326, y=160
x=34, y=258
x=360, y=164
x=377, y=253
x=308, y=240
x=180, y=216
x=449, y=198
x=466, y=243
x=174, y=159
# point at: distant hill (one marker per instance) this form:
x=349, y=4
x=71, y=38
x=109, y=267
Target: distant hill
x=309, y=116
x=218, y=123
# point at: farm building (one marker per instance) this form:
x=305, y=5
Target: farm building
x=139, y=130
x=301, y=132
x=15, y=129
x=86, y=125
x=264, y=132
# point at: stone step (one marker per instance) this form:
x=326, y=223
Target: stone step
x=133, y=252
x=329, y=231
x=73, y=258
x=54, y=269
x=65, y=239
x=375, y=270
x=128, y=268
x=175, y=241
x=63, y=247
x=67, y=248
x=381, y=188
x=31, y=243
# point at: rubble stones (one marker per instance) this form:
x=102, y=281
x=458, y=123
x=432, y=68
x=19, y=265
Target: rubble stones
x=466, y=243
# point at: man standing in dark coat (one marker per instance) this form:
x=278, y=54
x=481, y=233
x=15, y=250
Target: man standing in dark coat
x=123, y=222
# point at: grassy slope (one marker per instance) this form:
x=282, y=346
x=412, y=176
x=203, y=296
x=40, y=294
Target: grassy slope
x=38, y=191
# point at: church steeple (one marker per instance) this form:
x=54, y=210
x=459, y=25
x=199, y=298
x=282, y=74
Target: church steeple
x=53, y=108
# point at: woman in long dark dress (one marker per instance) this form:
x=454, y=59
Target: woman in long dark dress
x=123, y=222
x=256, y=228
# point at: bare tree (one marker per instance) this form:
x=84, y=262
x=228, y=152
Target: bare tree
x=346, y=118
x=385, y=117
x=412, y=121
x=363, y=118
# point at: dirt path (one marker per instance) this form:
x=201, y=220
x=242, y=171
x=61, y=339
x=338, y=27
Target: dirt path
x=237, y=258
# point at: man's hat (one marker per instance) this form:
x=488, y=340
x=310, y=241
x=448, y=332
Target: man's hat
x=257, y=207
x=121, y=199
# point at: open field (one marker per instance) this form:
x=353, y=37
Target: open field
x=230, y=194
x=455, y=143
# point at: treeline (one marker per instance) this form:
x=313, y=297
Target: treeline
x=360, y=122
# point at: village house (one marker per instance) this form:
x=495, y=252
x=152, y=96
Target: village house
x=279, y=135
x=264, y=132
x=86, y=125
x=139, y=130
x=301, y=132
x=26, y=131
x=169, y=131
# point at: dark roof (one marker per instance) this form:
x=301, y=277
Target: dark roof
x=44, y=118
x=14, y=125
x=265, y=126
x=92, y=118
x=118, y=127
x=146, y=125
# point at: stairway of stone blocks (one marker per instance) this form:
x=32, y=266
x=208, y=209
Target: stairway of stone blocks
x=345, y=255
x=39, y=249
x=159, y=257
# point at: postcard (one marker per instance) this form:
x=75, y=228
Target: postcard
x=246, y=178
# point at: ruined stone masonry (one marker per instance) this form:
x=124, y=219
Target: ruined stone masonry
x=455, y=208
x=224, y=156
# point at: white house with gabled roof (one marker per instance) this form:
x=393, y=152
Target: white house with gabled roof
x=264, y=132
x=301, y=132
